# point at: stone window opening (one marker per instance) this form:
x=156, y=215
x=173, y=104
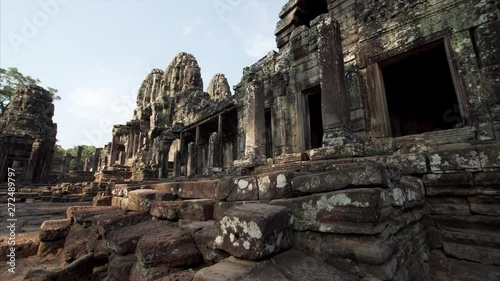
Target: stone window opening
x=419, y=91
x=314, y=119
x=311, y=9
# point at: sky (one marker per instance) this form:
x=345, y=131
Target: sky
x=98, y=52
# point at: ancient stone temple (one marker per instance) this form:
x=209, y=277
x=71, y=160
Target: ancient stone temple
x=28, y=135
x=366, y=148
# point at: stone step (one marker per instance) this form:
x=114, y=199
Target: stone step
x=291, y=265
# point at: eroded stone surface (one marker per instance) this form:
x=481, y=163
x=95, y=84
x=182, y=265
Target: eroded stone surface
x=255, y=231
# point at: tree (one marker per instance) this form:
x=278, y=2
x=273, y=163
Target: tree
x=11, y=80
x=87, y=151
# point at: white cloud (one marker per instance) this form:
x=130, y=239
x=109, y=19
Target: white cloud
x=189, y=27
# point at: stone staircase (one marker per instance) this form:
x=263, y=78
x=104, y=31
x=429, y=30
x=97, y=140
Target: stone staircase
x=355, y=222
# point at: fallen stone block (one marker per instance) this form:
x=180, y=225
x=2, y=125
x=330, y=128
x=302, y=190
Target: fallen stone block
x=201, y=209
x=124, y=241
x=160, y=273
x=171, y=248
x=54, y=230
x=255, y=231
x=448, y=179
x=141, y=200
x=197, y=190
x=366, y=175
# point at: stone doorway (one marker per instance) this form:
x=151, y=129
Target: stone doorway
x=314, y=118
x=420, y=92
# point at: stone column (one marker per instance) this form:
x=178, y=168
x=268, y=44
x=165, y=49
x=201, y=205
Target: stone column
x=33, y=161
x=67, y=163
x=214, y=151
x=163, y=161
x=177, y=164
x=77, y=165
x=334, y=99
x=255, y=128
x=192, y=159
x=97, y=156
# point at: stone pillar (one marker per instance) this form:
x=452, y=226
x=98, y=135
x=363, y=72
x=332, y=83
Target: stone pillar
x=163, y=161
x=97, y=156
x=214, y=151
x=77, y=166
x=255, y=128
x=192, y=159
x=335, y=102
x=177, y=164
x=33, y=161
x=67, y=163
x=280, y=113
x=114, y=151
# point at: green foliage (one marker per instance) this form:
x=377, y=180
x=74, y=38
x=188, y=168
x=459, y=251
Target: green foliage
x=87, y=151
x=11, y=80
x=59, y=151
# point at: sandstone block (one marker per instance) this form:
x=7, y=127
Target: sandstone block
x=410, y=164
x=102, y=201
x=366, y=175
x=485, y=205
x=205, y=239
x=26, y=246
x=197, y=190
x=451, y=160
x=255, y=231
x=124, y=241
x=449, y=206
x=141, y=200
x=54, y=230
x=360, y=211
x=120, y=266
x=50, y=247
x=201, y=209
x=84, y=215
x=275, y=185
x=171, y=248
x=107, y=223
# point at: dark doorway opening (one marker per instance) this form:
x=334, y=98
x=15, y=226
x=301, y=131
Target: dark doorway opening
x=420, y=92
x=315, y=124
x=269, y=133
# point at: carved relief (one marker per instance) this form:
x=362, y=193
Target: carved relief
x=373, y=10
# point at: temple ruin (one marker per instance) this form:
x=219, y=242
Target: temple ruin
x=28, y=135
x=365, y=148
